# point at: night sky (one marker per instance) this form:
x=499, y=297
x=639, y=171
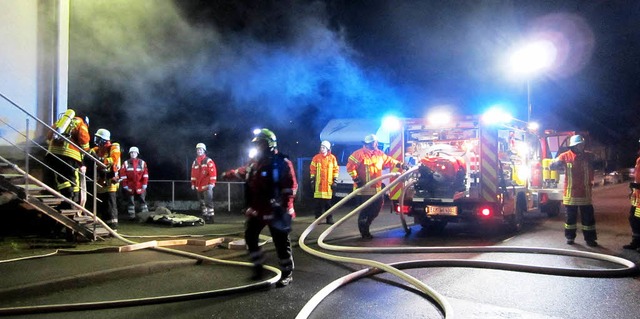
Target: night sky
x=164, y=75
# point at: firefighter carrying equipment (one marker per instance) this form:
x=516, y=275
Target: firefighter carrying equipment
x=63, y=124
x=202, y=146
x=268, y=136
x=109, y=154
x=78, y=133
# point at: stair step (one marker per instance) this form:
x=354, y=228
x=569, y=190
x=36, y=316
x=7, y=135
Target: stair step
x=70, y=212
x=32, y=187
x=12, y=175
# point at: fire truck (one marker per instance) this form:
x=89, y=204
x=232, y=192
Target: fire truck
x=473, y=169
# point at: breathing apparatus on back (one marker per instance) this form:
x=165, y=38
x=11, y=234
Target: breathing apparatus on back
x=64, y=124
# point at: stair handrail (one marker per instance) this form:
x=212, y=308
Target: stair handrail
x=55, y=192
x=97, y=163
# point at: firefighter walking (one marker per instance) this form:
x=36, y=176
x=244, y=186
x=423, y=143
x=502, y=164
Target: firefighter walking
x=134, y=177
x=364, y=165
x=634, y=211
x=107, y=184
x=324, y=176
x=577, y=190
x=64, y=158
x=270, y=191
x=204, y=176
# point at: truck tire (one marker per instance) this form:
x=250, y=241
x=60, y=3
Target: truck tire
x=552, y=208
x=516, y=221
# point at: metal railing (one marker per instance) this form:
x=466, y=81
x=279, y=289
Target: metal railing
x=29, y=142
x=180, y=190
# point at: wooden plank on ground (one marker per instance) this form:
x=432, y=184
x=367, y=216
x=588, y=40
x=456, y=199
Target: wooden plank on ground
x=175, y=242
x=210, y=242
x=147, y=244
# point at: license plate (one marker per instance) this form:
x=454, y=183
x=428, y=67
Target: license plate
x=442, y=210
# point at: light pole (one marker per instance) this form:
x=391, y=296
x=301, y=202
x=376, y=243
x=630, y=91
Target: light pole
x=529, y=60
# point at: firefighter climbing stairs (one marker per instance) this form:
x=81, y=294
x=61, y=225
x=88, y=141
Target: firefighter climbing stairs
x=78, y=225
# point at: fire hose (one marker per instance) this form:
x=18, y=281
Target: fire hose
x=375, y=267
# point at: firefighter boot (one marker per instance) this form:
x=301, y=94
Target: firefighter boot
x=635, y=244
x=330, y=220
x=364, y=229
x=286, y=279
x=258, y=272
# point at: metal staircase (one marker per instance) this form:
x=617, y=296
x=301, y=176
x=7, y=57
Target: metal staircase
x=17, y=183
x=35, y=195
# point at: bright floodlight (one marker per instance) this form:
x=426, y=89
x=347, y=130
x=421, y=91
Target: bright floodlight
x=533, y=126
x=496, y=115
x=439, y=118
x=533, y=57
x=391, y=123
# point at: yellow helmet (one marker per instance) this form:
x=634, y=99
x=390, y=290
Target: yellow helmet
x=266, y=135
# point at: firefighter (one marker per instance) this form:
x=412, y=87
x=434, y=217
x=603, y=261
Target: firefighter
x=578, y=165
x=203, y=179
x=134, y=176
x=108, y=153
x=63, y=158
x=364, y=165
x=634, y=211
x=270, y=191
x=324, y=176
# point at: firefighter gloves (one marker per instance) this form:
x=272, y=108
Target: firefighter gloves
x=358, y=182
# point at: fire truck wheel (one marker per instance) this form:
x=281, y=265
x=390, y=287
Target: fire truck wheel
x=552, y=209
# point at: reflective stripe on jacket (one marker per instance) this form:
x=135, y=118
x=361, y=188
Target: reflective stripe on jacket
x=203, y=173
x=578, y=177
x=134, y=175
x=78, y=133
x=323, y=169
x=366, y=165
x=110, y=155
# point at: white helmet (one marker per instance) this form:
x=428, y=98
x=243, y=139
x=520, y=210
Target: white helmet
x=370, y=138
x=575, y=140
x=104, y=134
x=134, y=149
x=202, y=146
x=326, y=144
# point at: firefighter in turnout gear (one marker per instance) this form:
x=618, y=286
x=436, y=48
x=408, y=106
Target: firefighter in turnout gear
x=107, y=184
x=578, y=183
x=324, y=176
x=65, y=158
x=204, y=176
x=270, y=191
x=634, y=211
x=364, y=165
x=134, y=176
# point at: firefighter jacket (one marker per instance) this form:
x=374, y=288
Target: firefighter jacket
x=134, y=176
x=578, y=177
x=635, y=195
x=271, y=186
x=78, y=133
x=365, y=165
x=203, y=173
x=323, y=170
x=109, y=155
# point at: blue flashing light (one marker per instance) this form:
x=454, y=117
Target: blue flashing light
x=391, y=123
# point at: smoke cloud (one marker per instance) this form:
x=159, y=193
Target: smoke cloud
x=164, y=75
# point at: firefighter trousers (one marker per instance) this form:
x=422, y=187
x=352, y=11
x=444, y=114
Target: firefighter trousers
x=369, y=213
x=63, y=177
x=205, y=198
x=107, y=208
x=280, y=239
x=588, y=221
x=634, y=222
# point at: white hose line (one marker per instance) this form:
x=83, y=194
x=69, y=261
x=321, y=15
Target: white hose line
x=439, y=299
x=629, y=269
x=149, y=300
